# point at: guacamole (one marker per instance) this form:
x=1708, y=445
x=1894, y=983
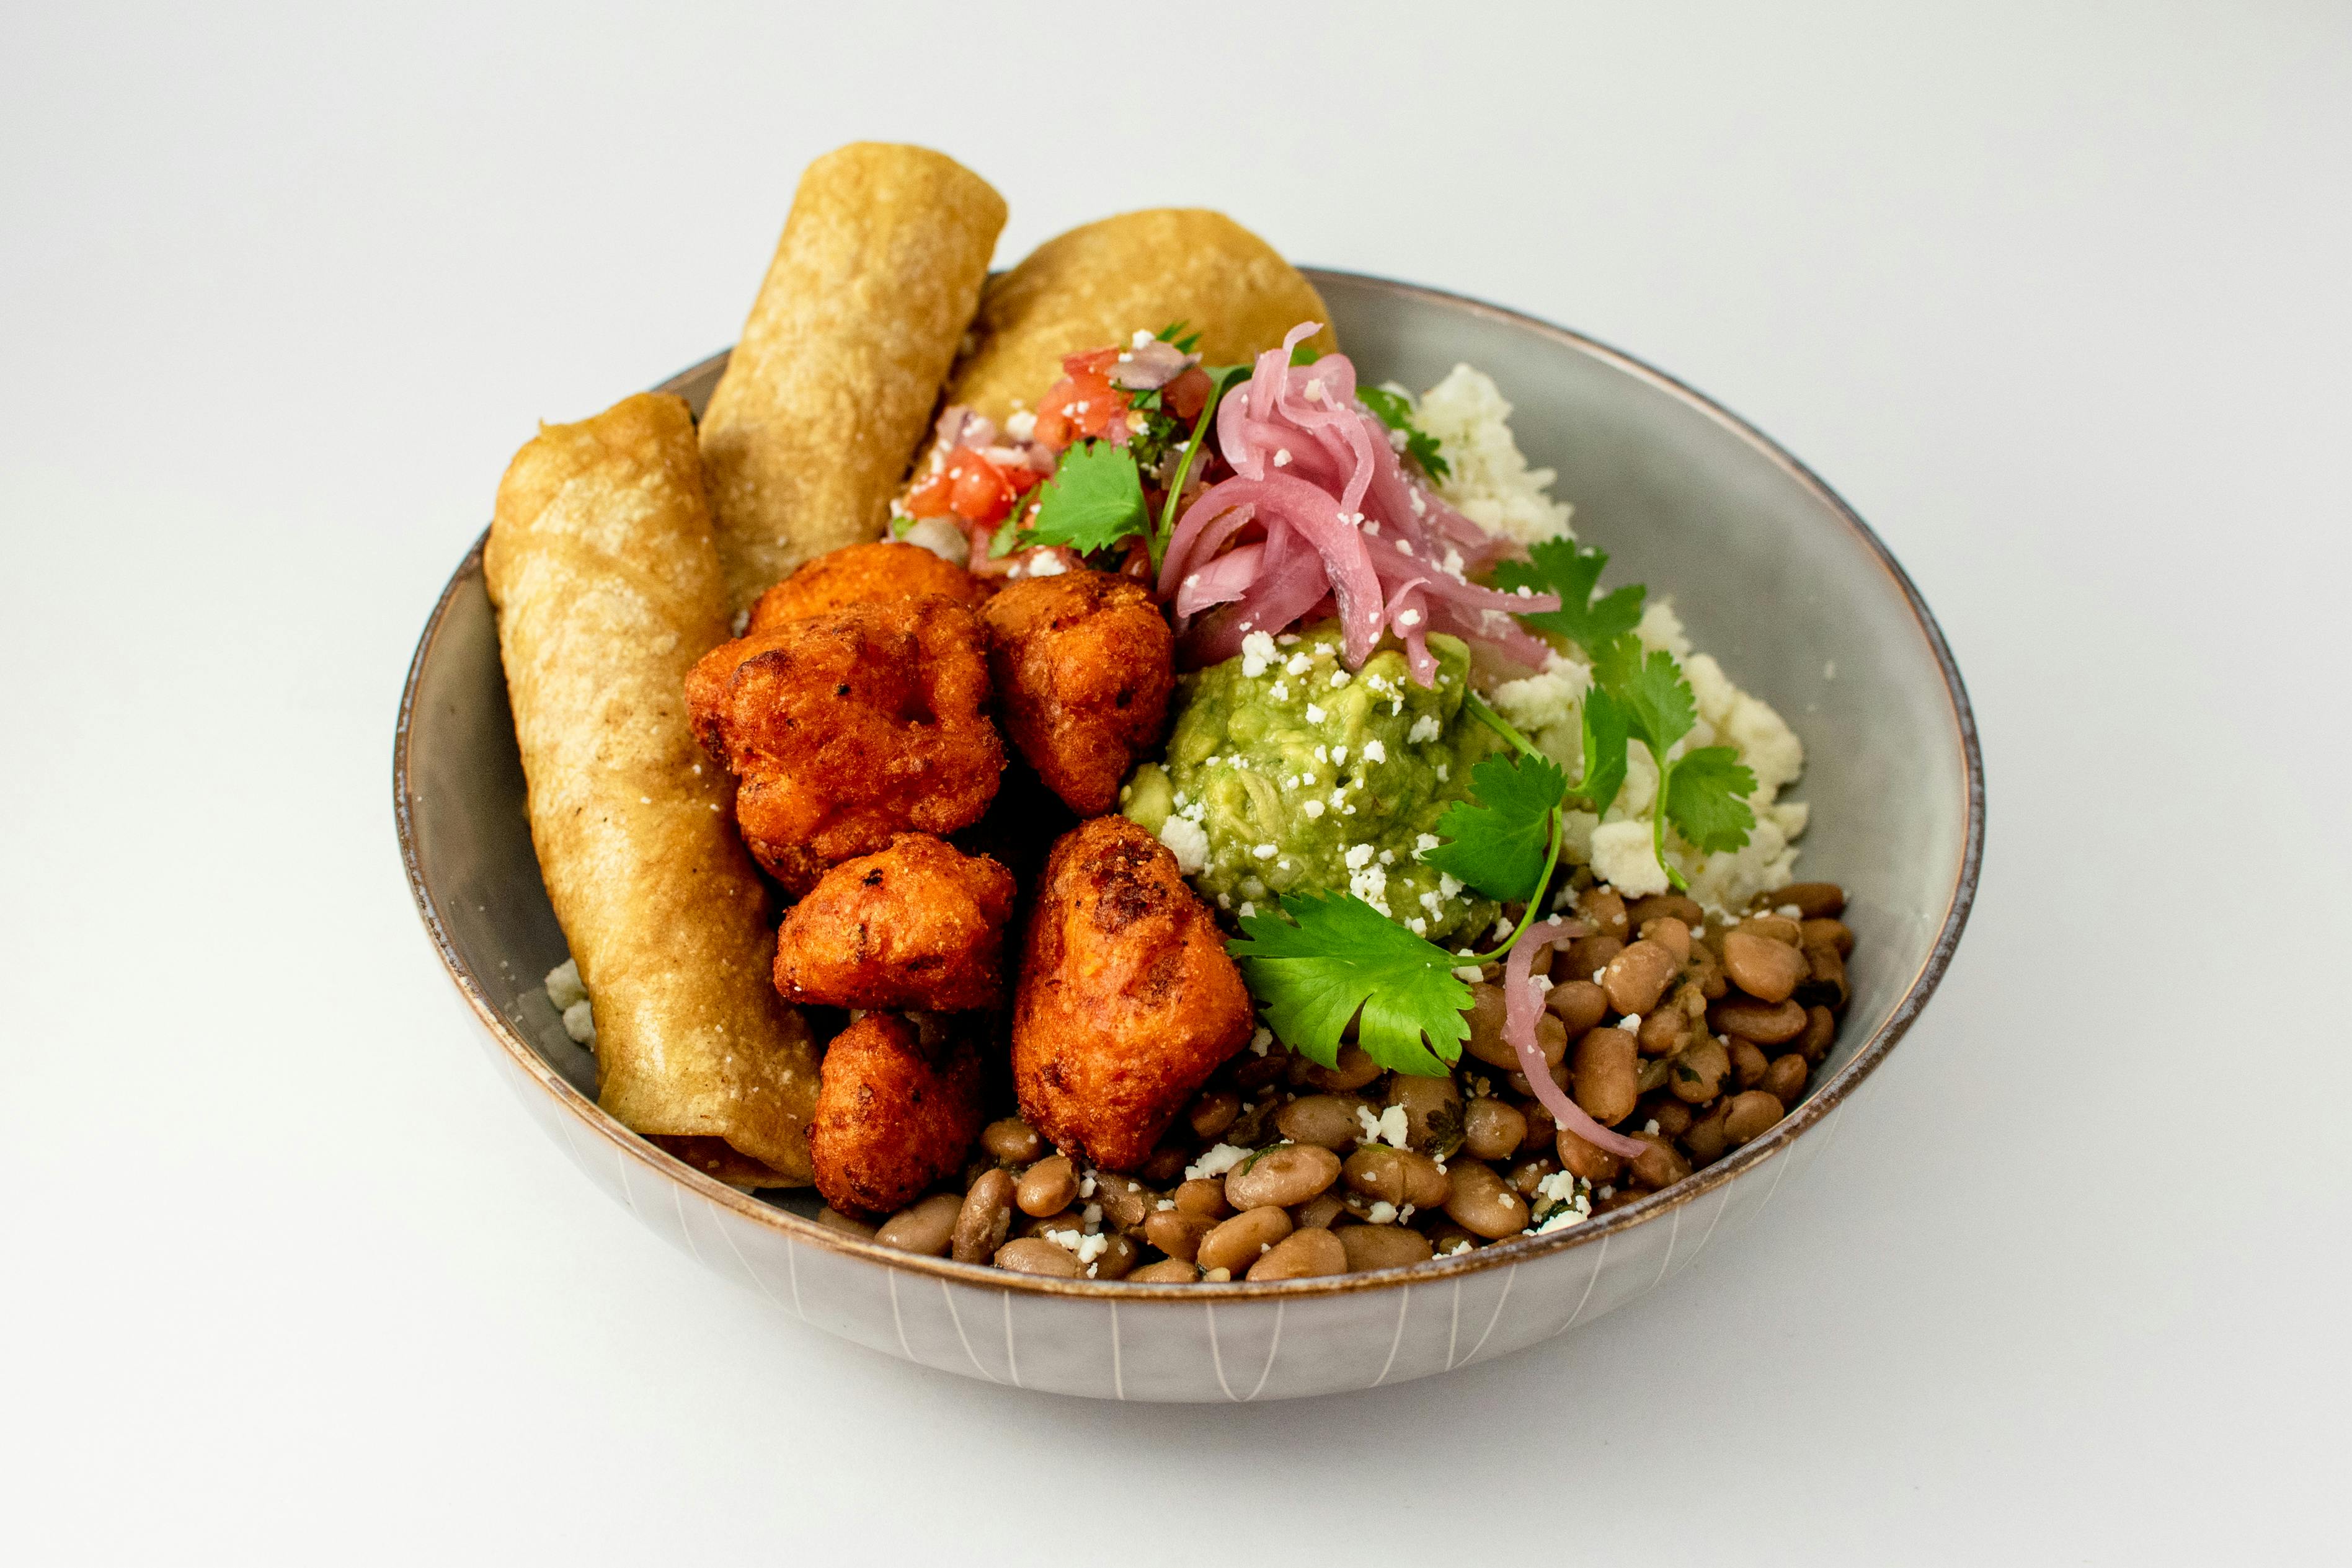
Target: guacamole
x=1289, y=773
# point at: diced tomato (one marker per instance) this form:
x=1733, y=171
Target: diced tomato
x=1187, y=393
x=932, y=497
x=1083, y=404
x=973, y=488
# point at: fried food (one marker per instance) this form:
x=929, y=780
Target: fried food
x=845, y=728
x=1084, y=663
x=601, y=565
x=895, y=1115
x=917, y=925
x=863, y=574
x=1097, y=284
x=834, y=381
x=1127, y=1000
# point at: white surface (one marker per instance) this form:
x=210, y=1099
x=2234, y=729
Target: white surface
x=2058, y=301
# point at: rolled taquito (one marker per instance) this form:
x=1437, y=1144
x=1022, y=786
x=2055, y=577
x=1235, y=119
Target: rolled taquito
x=607, y=586
x=1139, y=271
x=835, y=378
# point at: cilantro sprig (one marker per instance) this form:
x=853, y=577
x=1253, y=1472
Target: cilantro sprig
x=1094, y=500
x=1637, y=695
x=1335, y=958
x=1395, y=411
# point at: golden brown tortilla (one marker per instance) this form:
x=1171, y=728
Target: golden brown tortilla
x=1099, y=284
x=817, y=415
x=607, y=587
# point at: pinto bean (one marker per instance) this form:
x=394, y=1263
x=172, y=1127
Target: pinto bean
x=1764, y=969
x=927, y=1227
x=1670, y=933
x=1484, y=1018
x=1604, y=1075
x=1579, y=1004
x=1748, y=1063
x=1177, y=1233
x=1011, y=1140
x=1824, y=982
x=1665, y=1032
x=1048, y=1186
x=1482, y=1204
x=1750, y=1116
x=1117, y=1258
x=1320, y=1212
x=1784, y=1080
x=1354, y=1070
x=1814, y=900
x=1826, y=933
x=1820, y=1033
x=1212, y=1112
x=1705, y=1138
x=1381, y=1246
x=1774, y=928
x=1432, y=1110
x=1239, y=1242
x=1164, y=1164
x=1541, y=1124
x=985, y=1218
x=1330, y=1121
x=1671, y=1115
x=1664, y=905
x=1036, y=1255
x=1491, y=1129
x=1123, y=1198
x=1589, y=956
x=1167, y=1272
x=1660, y=1164
x=1282, y=1175
x=1302, y=1255
x=1696, y=1075
x=1594, y=1165
x=1204, y=1196
x=1603, y=909
x=1767, y=1024
x=1638, y=975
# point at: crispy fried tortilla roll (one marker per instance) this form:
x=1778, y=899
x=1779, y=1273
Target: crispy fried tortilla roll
x=813, y=422
x=1100, y=284
x=607, y=588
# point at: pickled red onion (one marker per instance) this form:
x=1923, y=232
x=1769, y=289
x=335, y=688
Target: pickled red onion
x=1318, y=483
x=1519, y=1011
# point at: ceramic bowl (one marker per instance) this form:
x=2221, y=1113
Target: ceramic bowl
x=1770, y=571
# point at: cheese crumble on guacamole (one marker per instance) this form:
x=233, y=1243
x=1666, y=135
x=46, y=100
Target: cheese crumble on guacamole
x=1286, y=772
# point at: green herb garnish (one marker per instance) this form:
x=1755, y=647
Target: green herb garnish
x=1395, y=411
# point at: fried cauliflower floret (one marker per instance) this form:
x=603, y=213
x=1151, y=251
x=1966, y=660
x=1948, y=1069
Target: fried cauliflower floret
x=1084, y=663
x=918, y=926
x=1127, y=1000
x=863, y=574
x=893, y=1114
x=845, y=728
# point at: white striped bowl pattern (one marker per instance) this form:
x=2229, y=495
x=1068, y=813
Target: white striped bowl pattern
x=1686, y=497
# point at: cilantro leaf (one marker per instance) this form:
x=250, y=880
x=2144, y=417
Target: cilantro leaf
x=1302, y=355
x=1707, y=798
x=1094, y=500
x=1568, y=569
x=1498, y=844
x=1604, y=751
x=1659, y=707
x=1395, y=411
x=1343, y=959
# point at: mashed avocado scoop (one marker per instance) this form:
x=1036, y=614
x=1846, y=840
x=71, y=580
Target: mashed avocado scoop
x=1286, y=772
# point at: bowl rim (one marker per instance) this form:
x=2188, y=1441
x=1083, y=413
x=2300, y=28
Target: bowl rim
x=1810, y=1113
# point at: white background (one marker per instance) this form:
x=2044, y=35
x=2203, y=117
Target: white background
x=2057, y=296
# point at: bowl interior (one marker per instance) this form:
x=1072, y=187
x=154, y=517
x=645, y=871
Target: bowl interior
x=1769, y=573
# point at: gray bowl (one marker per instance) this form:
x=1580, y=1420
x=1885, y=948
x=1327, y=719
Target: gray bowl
x=1770, y=571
